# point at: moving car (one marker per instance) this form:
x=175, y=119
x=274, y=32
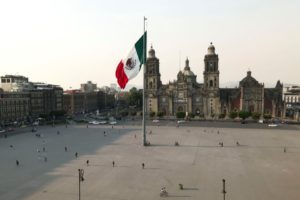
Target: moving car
x=2, y=131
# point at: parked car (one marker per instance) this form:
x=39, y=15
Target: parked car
x=103, y=122
x=155, y=121
x=94, y=122
x=2, y=131
x=273, y=125
x=181, y=121
x=113, y=122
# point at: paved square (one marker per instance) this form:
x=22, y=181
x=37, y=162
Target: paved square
x=256, y=169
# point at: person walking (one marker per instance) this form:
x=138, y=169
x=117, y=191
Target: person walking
x=143, y=165
x=76, y=155
x=17, y=163
x=113, y=163
x=87, y=162
x=66, y=149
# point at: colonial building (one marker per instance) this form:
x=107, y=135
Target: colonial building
x=14, y=106
x=207, y=99
x=291, y=98
x=21, y=99
x=76, y=101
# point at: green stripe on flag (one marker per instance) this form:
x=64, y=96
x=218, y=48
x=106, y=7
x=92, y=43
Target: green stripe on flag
x=139, y=48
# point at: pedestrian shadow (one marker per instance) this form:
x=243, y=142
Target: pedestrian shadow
x=186, y=188
x=152, y=168
x=180, y=196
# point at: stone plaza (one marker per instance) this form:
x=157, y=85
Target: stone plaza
x=257, y=162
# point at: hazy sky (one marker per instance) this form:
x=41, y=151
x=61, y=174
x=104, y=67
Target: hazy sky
x=68, y=42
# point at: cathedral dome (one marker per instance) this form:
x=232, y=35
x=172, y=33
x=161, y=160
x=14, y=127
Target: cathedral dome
x=188, y=73
x=211, y=49
x=187, y=70
x=151, y=52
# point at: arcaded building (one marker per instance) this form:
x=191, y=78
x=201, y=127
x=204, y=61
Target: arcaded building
x=207, y=99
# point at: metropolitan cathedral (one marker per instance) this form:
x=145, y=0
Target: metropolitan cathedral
x=207, y=99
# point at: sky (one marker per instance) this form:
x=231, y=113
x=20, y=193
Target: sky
x=69, y=42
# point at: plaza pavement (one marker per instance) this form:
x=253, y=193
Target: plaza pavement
x=257, y=169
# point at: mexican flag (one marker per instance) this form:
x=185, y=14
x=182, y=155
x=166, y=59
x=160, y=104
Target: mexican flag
x=129, y=67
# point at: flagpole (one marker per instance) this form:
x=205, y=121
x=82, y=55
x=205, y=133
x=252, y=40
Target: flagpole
x=144, y=107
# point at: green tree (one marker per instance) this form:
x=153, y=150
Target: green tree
x=255, y=116
x=160, y=114
x=191, y=115
x=180, y=114
x=135, y=97
x=244, y=114
x=233, y=114
x=152, y=114
x=222, y=116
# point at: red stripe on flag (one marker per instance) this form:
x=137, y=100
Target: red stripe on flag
x=121, y=76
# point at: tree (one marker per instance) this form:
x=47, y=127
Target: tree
x=222, y=116
x=233, y=114
x=244, y=114
x=191, y=115
x=135, y=97
x=180, y=114
x=255, y=116
x=160, y=114
x=152, y=114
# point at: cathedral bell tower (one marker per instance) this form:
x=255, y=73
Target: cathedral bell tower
x=152, y=81
x=211, y=83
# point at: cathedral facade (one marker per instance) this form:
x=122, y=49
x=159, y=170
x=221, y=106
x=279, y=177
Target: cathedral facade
x=207, y=99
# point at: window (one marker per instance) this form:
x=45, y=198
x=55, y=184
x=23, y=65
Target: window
x=211, y=83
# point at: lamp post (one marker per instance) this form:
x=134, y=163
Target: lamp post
x=223, y=191
x=81, y=179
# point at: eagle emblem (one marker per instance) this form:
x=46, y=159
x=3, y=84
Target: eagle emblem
x=130, y=63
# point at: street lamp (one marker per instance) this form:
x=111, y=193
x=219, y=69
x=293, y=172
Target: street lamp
x=223, y=191
x=81, y=179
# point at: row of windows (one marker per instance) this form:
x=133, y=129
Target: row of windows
x=292, y=99
x=4, y=80
x=10, y=103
